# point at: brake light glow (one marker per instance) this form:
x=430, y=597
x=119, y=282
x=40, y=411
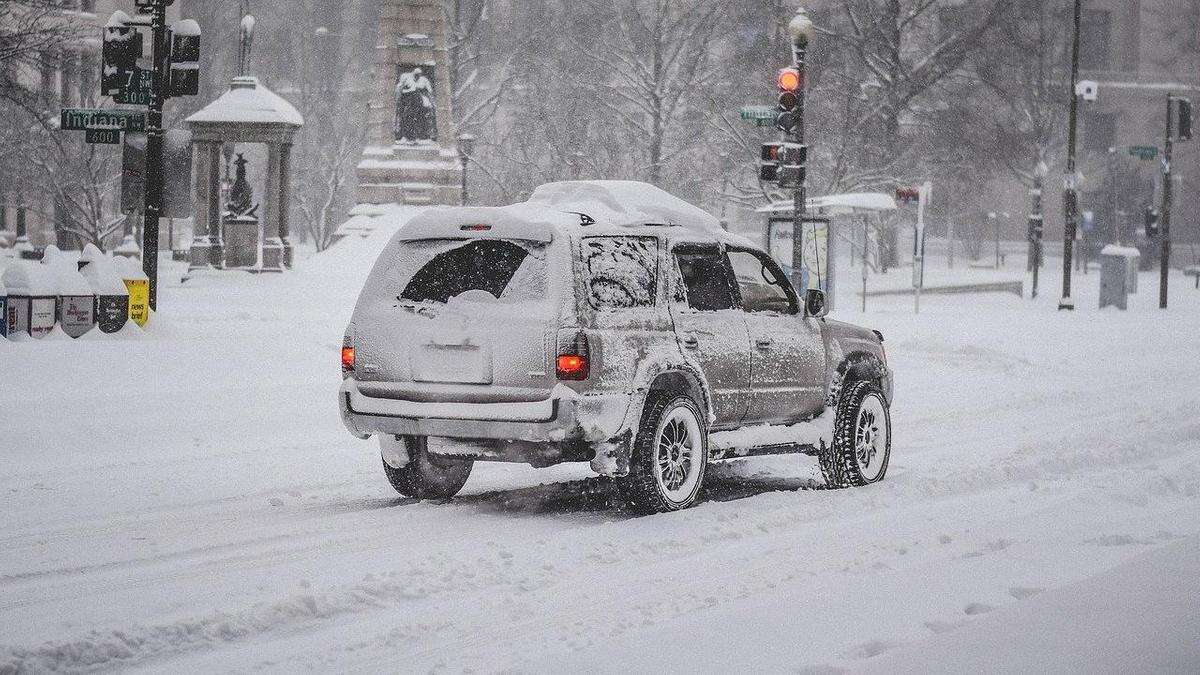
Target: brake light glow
x=347, y=359
x=572, y=367
x=478, y=227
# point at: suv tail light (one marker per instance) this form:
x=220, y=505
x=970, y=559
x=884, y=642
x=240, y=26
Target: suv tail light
x=347, y=355
x=574, y=359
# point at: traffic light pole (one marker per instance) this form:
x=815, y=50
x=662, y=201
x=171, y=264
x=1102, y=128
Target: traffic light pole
x=800, y=194
x=154, y=147
x=1164, y=231
x=1071, y=194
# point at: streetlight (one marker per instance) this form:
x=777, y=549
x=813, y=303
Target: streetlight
x=1071, y=192
x=804, y=35
x=466, y=146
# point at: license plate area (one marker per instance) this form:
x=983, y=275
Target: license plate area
x=463, y=363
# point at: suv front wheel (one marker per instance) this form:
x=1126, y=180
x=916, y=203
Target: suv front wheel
x=862, y=438
x=670, y=455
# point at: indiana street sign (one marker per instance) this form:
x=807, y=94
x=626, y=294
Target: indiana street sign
x=103, y=136
x=1144, y=152
x=83, y=119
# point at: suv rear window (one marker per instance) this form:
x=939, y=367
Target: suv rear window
x=622, y=272
x=509, y=271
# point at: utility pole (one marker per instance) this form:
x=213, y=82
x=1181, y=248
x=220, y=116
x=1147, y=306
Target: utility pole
x=1164, y=231
x=1037, y=223
x=1071, y=193
x=154, y=141
x=803, y=32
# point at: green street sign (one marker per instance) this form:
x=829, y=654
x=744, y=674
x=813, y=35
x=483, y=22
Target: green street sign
x=83, y=119
x=1144, y=152
x=103, y=136
x=758, y=113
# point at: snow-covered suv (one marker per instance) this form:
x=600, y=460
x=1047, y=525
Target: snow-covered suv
x=605, y=322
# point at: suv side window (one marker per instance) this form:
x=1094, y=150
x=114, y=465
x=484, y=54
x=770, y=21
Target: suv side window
x=622, y=272
x=706, y=277
x=761, y=283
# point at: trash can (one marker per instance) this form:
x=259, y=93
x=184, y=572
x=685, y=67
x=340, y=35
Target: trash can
x=1118, y=264
x=138, y=285
x=76, y=301
x=112, y=297
x=31, y=299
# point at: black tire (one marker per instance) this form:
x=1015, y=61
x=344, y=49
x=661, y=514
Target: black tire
x=426, y=476
x=647, y=489
x=841, y=465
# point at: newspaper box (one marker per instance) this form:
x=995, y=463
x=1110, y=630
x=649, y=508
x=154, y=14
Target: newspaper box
x=31, y=299
x=112, y=297
x=138, y=285
x=76, y=300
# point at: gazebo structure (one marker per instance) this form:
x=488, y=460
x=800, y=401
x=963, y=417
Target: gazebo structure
x=247, y=113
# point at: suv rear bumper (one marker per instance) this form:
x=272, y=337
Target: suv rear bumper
x=558, y=419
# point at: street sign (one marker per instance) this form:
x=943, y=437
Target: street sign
x=132, y=98
x=103, y=136
x=1144, y=152
x=83, y=119
x=759, y=112
x=140, y=81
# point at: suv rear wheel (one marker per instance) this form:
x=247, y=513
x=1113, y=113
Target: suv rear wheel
x=670, y=455
x=426, y=476
x=862, y=438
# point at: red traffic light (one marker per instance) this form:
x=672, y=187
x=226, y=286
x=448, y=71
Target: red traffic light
x=908, y=195
x=790, y=79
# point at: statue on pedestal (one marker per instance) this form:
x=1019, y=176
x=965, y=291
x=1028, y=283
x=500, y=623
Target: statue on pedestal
x=416, y=110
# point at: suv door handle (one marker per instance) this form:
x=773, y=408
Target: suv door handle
x=691, y=341
x=764, y=343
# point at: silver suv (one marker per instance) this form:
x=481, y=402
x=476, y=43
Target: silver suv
x=604, y=322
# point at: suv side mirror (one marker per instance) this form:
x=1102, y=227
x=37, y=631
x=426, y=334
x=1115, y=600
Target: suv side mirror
x=814, y=303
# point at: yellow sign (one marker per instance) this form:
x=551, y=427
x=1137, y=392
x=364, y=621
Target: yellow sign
x=139, y=300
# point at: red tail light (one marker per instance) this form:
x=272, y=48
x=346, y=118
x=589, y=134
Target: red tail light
x=572, y=367
x=573, y=363
x=347, y=359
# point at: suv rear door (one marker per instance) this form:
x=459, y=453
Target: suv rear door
x=711, y=328
x=471, y=320
x=787, y=371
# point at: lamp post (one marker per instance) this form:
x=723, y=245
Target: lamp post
x=1071, y=193
x=1037, y=223
x=466, y=146
x=803, y=34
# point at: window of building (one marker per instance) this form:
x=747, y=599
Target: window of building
x=1099, y=132
x=1095, y=40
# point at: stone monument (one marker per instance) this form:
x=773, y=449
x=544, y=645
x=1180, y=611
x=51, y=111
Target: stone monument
x=410, y=156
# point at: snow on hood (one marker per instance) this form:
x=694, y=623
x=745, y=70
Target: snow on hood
x=248, y=101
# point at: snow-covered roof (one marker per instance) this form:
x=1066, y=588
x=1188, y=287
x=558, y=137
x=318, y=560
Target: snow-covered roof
x=248, y=102
x=623, y=202
x=838, y=204
x=556, y=206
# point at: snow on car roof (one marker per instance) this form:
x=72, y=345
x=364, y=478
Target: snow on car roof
x=557, y=206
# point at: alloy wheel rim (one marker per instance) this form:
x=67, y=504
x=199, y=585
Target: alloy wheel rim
x=871, y=438
x=678, y=461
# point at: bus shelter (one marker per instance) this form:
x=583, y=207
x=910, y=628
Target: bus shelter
x=847, y=217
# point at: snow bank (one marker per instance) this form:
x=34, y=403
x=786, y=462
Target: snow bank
x=26, y=278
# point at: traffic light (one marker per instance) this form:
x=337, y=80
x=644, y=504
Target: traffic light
x=122, y=49
x=185, y=59
x=1151, y=222
x=1185, y=119
x=790, y=82
x=783, y=163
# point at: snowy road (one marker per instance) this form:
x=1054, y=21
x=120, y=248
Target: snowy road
x=189, y=501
